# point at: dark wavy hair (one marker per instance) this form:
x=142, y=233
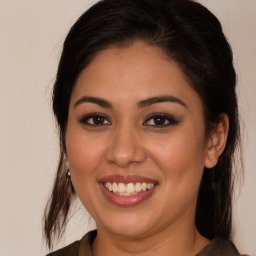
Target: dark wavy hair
x=189, y=34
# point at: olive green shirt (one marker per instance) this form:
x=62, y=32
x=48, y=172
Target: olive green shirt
x=217, y=247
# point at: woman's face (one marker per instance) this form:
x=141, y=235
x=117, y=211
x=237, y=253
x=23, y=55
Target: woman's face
x=136, y=142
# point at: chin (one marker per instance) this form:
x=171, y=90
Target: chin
x=129, y=226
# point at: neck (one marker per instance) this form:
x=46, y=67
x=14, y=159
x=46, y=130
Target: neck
x=186, y=242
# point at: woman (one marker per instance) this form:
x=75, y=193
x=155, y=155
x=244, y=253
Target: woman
x=146, y=106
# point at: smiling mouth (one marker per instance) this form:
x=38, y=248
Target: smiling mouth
x=129, y=189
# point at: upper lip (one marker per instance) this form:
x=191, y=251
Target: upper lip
x=126, y=179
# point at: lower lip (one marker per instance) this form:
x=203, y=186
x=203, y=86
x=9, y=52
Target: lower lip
x=127, y=200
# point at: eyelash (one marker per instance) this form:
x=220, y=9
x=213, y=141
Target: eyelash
x=160, y=116
x=165, y=117
x=85, y=119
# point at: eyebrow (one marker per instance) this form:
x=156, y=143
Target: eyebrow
x=95, y=100
x=141, y=104
x=160, y=99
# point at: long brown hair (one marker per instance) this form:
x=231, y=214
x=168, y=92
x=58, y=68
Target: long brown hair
x=190, y=35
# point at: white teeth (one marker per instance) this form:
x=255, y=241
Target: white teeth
x=128, y=189
x=114, y=187
x=109, y=186
x=150, y=185
x=144, y=186
x=138, y=187
x=121, y=188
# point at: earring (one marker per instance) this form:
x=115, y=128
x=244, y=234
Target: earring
x=67, y=168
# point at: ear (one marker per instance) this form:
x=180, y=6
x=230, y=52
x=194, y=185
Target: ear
x=216, y=141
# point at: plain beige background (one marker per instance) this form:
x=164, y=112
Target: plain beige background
x=31, y=35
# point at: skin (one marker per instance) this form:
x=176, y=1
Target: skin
x=128, y=142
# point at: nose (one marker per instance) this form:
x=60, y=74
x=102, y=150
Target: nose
x=126, y=148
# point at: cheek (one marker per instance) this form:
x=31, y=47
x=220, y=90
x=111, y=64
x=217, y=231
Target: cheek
x=180, y=157
x=84, y=157
x=84, y=154
x=181, y=161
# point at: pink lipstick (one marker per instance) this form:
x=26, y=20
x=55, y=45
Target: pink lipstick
x=127, y=190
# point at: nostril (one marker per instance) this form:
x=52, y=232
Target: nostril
x=126, y=156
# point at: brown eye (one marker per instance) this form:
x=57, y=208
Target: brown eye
x=95, y=120
x=160, y=120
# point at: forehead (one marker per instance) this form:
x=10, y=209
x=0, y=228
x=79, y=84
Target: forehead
x=133, y=72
